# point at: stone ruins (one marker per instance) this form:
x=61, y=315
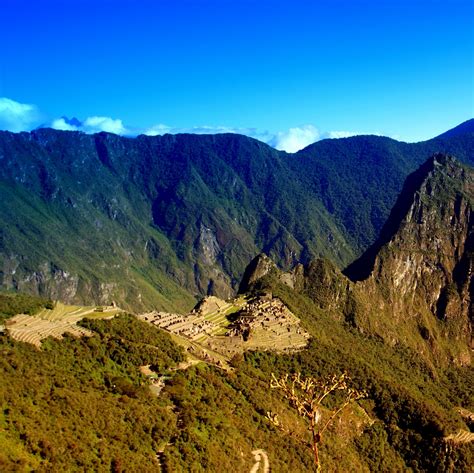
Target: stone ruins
x=216, y=327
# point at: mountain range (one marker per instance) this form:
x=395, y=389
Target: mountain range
x=156, y=222
x=398, y=320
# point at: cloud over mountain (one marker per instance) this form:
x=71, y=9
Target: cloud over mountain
x=290, y=140
x=346, y=134
x=295, y=139
x=16, y=116
x=93, y=124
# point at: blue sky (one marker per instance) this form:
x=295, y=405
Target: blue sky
x=287, y=72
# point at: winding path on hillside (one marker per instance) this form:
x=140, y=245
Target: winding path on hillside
x=259, y=455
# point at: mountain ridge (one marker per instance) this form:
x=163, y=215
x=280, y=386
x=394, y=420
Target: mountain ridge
x=462, y=128
x=179, y=216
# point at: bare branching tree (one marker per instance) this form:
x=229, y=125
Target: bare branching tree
x=306, y=395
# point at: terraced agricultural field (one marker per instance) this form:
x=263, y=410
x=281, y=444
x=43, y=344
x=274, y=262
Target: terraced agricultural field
x=55, y=322
x=262, y=324
x=461, y=436
x=209, y=319
x=220, y=318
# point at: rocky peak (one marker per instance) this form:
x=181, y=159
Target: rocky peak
x=259, y=267
x=414, y=286
x=431, y=237
x=420, y=183
x=420, y=269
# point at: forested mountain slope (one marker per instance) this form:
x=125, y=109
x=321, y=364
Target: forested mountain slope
x=156, y=221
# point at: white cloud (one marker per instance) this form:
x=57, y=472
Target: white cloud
x=346, y=134
x=96, y=124
x=16, y=116
x=197, y=130
x=158, y=130
x=63, y=124
x=291, y=140
x=340, y=134
x=295, y=139
x=90, y=125
x=210, y=130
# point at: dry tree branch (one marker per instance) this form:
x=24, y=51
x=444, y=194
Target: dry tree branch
x=306, y=395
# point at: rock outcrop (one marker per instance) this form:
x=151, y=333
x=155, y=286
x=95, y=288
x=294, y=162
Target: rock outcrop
x=426, y=266
x=414, y=286
x=258, y=268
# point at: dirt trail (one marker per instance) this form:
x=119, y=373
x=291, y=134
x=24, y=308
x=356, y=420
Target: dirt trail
x=259, y=455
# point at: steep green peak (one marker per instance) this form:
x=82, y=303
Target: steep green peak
x=448, y=180
x=437, y=180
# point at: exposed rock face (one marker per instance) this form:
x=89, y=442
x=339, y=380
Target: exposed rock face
x=425, y=268
x=421, y=276
x=258, y=268
x=414, y=286
x=208, y=274
x=47, y=279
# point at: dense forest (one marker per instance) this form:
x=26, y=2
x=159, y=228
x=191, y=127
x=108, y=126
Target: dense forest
x=12, y=303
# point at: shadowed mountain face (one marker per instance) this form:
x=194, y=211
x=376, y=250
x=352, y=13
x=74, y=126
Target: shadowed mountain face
x=424, y=271
x=414, y=286
x=155, y=221
x=361, y=268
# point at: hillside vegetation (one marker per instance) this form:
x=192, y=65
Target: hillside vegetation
x=14, y=303
x=398, y=323
x=83, y=403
